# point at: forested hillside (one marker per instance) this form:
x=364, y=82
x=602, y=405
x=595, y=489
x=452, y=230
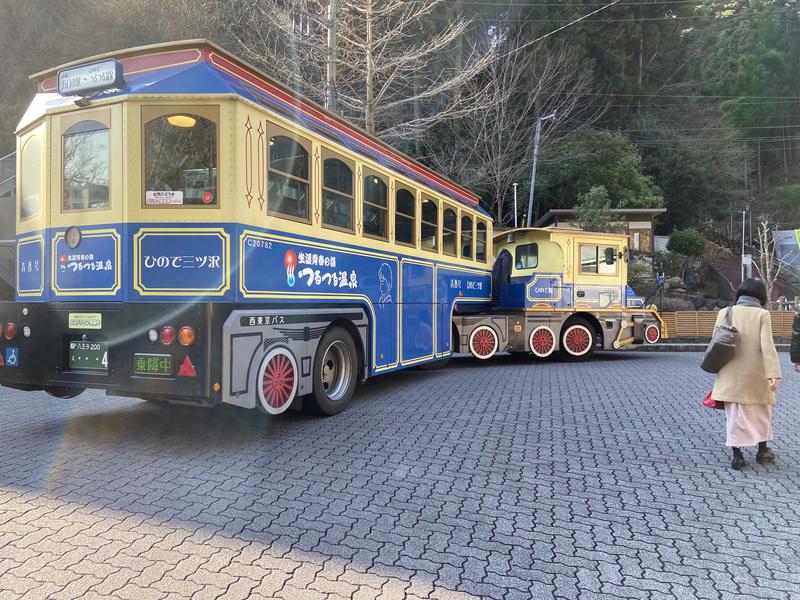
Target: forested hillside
x=693, y=105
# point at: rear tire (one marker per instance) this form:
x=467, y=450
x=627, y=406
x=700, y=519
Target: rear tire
x=578, y=339
x=64, y=393
x=335, y=372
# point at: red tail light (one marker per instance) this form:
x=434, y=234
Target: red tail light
x=167, y=335
x=10, y=331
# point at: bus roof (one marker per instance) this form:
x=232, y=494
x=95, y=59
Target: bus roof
x=199, y=66
x=548, y=230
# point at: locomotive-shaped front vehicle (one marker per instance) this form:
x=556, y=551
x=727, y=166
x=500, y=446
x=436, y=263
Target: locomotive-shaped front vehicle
x=563, y=291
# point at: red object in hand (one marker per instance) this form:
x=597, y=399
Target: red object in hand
x=709, y=402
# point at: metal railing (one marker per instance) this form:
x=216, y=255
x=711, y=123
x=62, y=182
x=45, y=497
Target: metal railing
x=8, y=264
x=8, y=173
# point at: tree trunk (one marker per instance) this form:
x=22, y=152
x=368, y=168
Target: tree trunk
x=369, y=109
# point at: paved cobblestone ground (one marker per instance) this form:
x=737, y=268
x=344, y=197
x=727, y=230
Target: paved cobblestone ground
x=508, y=479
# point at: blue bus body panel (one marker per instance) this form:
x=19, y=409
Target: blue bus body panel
x=409, y=301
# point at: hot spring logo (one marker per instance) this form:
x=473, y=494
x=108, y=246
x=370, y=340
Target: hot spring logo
x=290, y=262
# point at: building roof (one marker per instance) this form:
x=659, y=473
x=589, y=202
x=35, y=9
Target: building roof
x=552, y=215
x=199, y=66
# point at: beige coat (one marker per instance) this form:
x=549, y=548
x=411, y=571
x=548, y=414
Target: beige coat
x=744, y=379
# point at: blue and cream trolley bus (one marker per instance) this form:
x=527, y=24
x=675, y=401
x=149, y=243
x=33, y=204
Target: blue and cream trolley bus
x=189, y=230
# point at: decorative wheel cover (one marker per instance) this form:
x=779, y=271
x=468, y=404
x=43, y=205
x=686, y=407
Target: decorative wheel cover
x=652, y=334
x=277, y=381
x=483, y=342
x=577, y=340
x=542, y=341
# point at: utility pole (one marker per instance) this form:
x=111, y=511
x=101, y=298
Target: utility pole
x=536, y=139
x=330, y=67
x=515, y=205
x=744, y=217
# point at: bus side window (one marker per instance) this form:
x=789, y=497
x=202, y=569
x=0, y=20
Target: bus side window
x=180, y=161
x=86, y=159
x=449, y=225
x=375, y=206
x=466, y=237
x=405, y=217
x=430, y=225
x=288, y=178
x=480, y=242
x=337, y=195
x=31, y=177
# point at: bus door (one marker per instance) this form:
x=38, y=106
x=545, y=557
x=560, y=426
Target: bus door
x=417, y=312
x=600, y=271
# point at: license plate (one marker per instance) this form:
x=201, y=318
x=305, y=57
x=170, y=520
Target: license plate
x=85, y=320
x=152, y=364
x=88, y=356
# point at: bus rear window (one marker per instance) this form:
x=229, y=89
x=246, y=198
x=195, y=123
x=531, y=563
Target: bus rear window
x=180, y=161
x=86, y=166
x=527, y=256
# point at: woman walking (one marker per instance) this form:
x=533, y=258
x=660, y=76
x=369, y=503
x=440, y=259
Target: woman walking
x=748, y=382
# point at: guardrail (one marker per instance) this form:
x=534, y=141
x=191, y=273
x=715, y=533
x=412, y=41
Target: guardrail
x=8, y=263
x=8, y=166
x=700, y=324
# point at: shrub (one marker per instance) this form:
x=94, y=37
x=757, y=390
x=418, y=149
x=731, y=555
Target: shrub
x=688, y=242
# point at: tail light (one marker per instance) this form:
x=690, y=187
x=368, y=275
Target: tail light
x=186, y=336
x=167, y=335
x=10, y=331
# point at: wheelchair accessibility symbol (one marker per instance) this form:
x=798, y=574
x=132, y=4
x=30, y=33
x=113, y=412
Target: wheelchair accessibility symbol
x=12, y=357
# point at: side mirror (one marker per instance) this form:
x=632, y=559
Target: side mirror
x=610, y=255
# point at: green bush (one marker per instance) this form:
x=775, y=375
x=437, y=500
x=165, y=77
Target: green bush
x=688, y=242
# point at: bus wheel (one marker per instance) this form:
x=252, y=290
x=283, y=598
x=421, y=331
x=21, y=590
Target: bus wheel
x=483, y=342
x=577, y=340
x=542, y=341
x=277, y=381
x=64, y=393
x=335, y=372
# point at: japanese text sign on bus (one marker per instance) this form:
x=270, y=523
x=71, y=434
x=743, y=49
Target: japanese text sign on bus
x=84, y=79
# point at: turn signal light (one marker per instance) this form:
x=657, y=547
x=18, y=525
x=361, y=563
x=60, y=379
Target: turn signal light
x=167, y=335
x=10, y=331
x=186, y=336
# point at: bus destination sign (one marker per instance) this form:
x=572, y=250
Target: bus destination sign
x=93, y=77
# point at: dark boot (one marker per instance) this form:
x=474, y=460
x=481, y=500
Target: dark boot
x=764, y=454
x=738, y=460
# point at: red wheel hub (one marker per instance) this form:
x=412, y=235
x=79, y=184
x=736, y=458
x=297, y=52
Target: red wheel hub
x=652, y=334
x=278, y=381
x=542, y=341
x=578, y=340
x=483, y=342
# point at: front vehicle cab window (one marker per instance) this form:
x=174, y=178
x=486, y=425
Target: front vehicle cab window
x=86, y=166
x=527, y=256
x=180, y=160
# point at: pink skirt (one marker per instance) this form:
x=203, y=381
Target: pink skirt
x=747, y=424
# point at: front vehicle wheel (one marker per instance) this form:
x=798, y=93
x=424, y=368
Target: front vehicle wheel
x=578, y=340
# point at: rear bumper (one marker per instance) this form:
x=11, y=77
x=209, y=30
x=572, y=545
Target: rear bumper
x=41, y=361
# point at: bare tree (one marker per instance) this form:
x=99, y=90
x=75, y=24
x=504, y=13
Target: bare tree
x=492, y=149
x=767, y=261
x=392, y=78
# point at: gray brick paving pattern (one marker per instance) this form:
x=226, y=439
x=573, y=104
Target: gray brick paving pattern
x=509, y=479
